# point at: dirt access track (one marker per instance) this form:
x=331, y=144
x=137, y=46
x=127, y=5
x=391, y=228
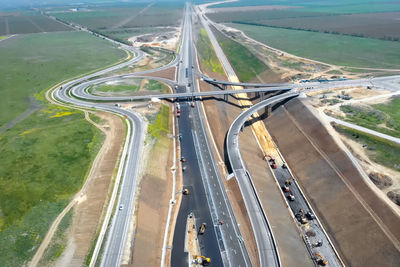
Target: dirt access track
x=364, y=230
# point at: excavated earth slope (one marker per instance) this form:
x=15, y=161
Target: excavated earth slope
x=364, y=229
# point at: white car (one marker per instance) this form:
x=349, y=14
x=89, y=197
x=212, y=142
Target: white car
x=121, y=207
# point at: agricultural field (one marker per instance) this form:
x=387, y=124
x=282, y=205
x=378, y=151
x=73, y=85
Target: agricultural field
x=31, y=63
x=329, y=48
x=28, y=22
x=119, y=22
x=247, y=66
x=384, y=26
x=375, y=19
x=207, y=54
x=338, y=6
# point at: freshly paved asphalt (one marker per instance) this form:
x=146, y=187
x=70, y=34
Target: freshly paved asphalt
x=208, y=200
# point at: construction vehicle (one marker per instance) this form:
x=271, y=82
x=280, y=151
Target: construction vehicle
x=300, y=217
x=202, y=228
x=285, y=189
x=320, y=260
x=201, y=260
x=310, y=215
x=317, y=244
x=185, y=191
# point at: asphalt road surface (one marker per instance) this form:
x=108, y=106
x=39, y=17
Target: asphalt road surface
x=208, y=200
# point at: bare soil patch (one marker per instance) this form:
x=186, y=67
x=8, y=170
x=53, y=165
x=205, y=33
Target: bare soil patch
x=365, y=231
x=167, y=73
x=248, y=8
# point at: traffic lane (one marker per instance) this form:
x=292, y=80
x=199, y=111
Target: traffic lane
x=195, y=202
x=229, y=236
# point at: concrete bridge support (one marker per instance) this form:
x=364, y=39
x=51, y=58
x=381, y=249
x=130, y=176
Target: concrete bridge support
x=268, y=110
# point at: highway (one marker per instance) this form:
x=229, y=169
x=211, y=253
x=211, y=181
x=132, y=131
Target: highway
x=223, y=242
x=81, y=92
x=209, y=203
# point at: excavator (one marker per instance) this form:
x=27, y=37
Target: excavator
x=320, y=260
x=198, y=259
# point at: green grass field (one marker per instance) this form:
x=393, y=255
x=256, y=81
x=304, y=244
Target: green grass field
x=46, y=156
x=129, y=86
x=45, y=159
x=207, y=54
x=159, y=125
x=376, y=116
x=117, y=88
x=58, y=242
x=379, y=150
x=328, y=48
x=247, y=66
x=31, y=63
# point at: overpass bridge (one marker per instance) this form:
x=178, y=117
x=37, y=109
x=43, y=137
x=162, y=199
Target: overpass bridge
x=81, y=93
x=223, y=84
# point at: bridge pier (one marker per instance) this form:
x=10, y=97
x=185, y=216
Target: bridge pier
x=268, y=110
x=224, y=87
x=262, y=96
x=226, y=97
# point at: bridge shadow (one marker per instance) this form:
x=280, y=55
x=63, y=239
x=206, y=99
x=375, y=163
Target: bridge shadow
x=262, y=116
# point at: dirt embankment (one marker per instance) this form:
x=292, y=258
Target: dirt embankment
x=364, y=229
